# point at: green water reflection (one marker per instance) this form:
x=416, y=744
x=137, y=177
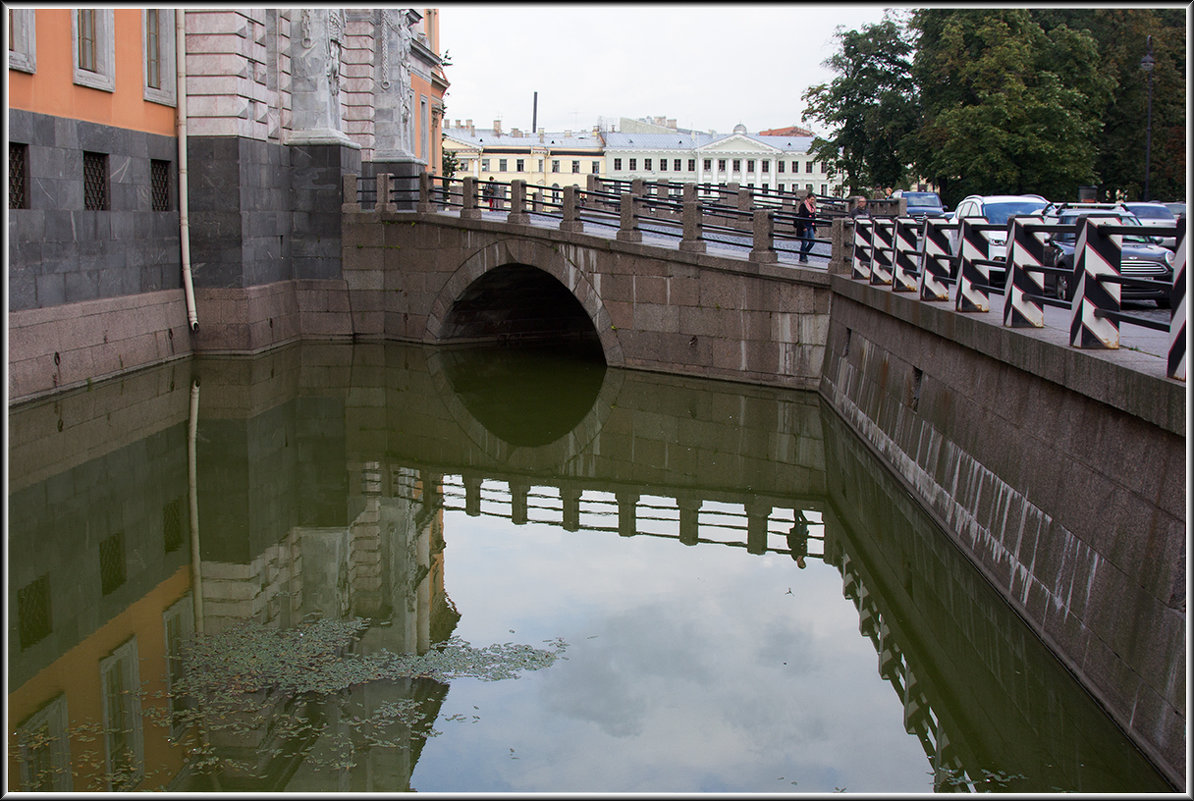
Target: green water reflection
x=384, y=567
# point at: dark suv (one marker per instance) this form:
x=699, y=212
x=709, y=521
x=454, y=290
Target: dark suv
x=921, y=204
x=1139, y=257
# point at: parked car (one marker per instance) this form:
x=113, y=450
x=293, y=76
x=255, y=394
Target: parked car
x=996, y=209
x=921, y=204
x=1156, y=214
x=1177, y=207
x=1139, y=258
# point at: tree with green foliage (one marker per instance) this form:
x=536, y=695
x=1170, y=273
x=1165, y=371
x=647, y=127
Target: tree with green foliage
x=871, y=106
x=449, y=163
x=1006, y=107
x=1122, y=37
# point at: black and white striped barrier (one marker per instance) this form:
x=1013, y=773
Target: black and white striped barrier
x=861, y=259
x=974, y=275
x=882, y=250
x=903, y=270
x=935, y=260
x=1097, y=254
x=1025, y=251
x=1177, y=299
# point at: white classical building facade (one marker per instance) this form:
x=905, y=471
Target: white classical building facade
x=769, y=164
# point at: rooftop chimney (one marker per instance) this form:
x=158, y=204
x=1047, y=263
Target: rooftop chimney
x=541, y=132
x=497, y=127
x=515, y=133
x=471, y=130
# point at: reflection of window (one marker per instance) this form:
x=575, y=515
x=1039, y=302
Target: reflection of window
x=120, y=681
x=173, y=525
x=94, y=48
x=33, y=611
x=178, y=622
x=111, y=559
x=45, y=749
x=22, y=50
x=158, y=46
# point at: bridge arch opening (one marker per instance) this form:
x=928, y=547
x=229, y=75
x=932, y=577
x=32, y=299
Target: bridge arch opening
x=517, y=304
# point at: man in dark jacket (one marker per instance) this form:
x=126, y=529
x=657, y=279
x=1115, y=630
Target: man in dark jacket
x=806, y=222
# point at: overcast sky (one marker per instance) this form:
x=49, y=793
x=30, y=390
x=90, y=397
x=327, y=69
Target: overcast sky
x=708, y=66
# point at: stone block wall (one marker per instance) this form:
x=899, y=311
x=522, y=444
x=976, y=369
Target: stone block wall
x=1068, y=496
x=60, y=252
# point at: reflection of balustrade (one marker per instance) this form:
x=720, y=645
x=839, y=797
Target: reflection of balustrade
x=686, y=517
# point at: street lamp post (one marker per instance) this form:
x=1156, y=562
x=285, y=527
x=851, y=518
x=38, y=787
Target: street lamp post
x=1146, y=64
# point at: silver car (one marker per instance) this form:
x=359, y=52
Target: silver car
x=997, y=209
x=1156, y=215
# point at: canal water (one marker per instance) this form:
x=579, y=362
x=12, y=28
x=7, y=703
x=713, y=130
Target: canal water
x=382, y=567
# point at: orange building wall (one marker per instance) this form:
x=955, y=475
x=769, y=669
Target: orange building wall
x=76, y=674
x=51, y=90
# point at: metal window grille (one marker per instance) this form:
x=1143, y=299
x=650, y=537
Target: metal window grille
x=153, y=55
x=18, y=157
x=111, y=558
x=33, y=611
x=95, y=181
x=159, y=184
x=87, y=39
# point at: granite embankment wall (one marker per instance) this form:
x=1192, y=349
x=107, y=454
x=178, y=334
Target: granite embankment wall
x=1060, y=473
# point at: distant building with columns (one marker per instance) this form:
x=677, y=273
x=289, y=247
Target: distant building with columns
x=550, y=160
x=764, y=163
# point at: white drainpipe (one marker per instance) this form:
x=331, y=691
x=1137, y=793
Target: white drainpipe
x=184, y=226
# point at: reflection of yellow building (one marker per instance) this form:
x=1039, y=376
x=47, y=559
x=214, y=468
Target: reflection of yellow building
x=542, y=159
x=98, y=681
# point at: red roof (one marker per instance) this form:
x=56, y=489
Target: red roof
x=791, y=130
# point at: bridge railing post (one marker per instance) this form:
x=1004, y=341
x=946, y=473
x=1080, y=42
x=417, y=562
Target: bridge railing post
x=1096, y=254
x=571, y=210
x=537, y=201
x=903, y=278
x=764, y=237
x=882, y=247
x=744, y=201
x=860, y=265
x=1177, y=302
x=841, y=238
x=692, y=240
x=935, y=260
x=385, y=193
x=425, y=206
x=468, y=203
x=349, y=201
x=1025, y=250
x=518, y=203
x=628, y=230
x=973, y=274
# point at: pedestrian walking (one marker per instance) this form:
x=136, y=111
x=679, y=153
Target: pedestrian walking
x=806, y=221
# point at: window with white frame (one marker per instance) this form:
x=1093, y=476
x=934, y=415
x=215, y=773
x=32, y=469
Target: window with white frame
x=766, y=168
x=576, y=165
x=779, y=166
x=708, y=164
x=691, y=165
x=750, y=165
x=555, y=165
x=595, y=167
x=501, y=165
x=520, y=165
x=618, y=164
x=120, y=686
x=808, y=167
x=737, y=165
x=178, y=624
x=721, y=165
x=633, y=164
x=675, y=165
x=646, y=164
x=824, y=188
x=22, y=40
x=44, y=747
x=94, y=48
x=157, y=43
x=663, y=165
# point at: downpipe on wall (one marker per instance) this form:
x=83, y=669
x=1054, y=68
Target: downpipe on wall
x=184, y=226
